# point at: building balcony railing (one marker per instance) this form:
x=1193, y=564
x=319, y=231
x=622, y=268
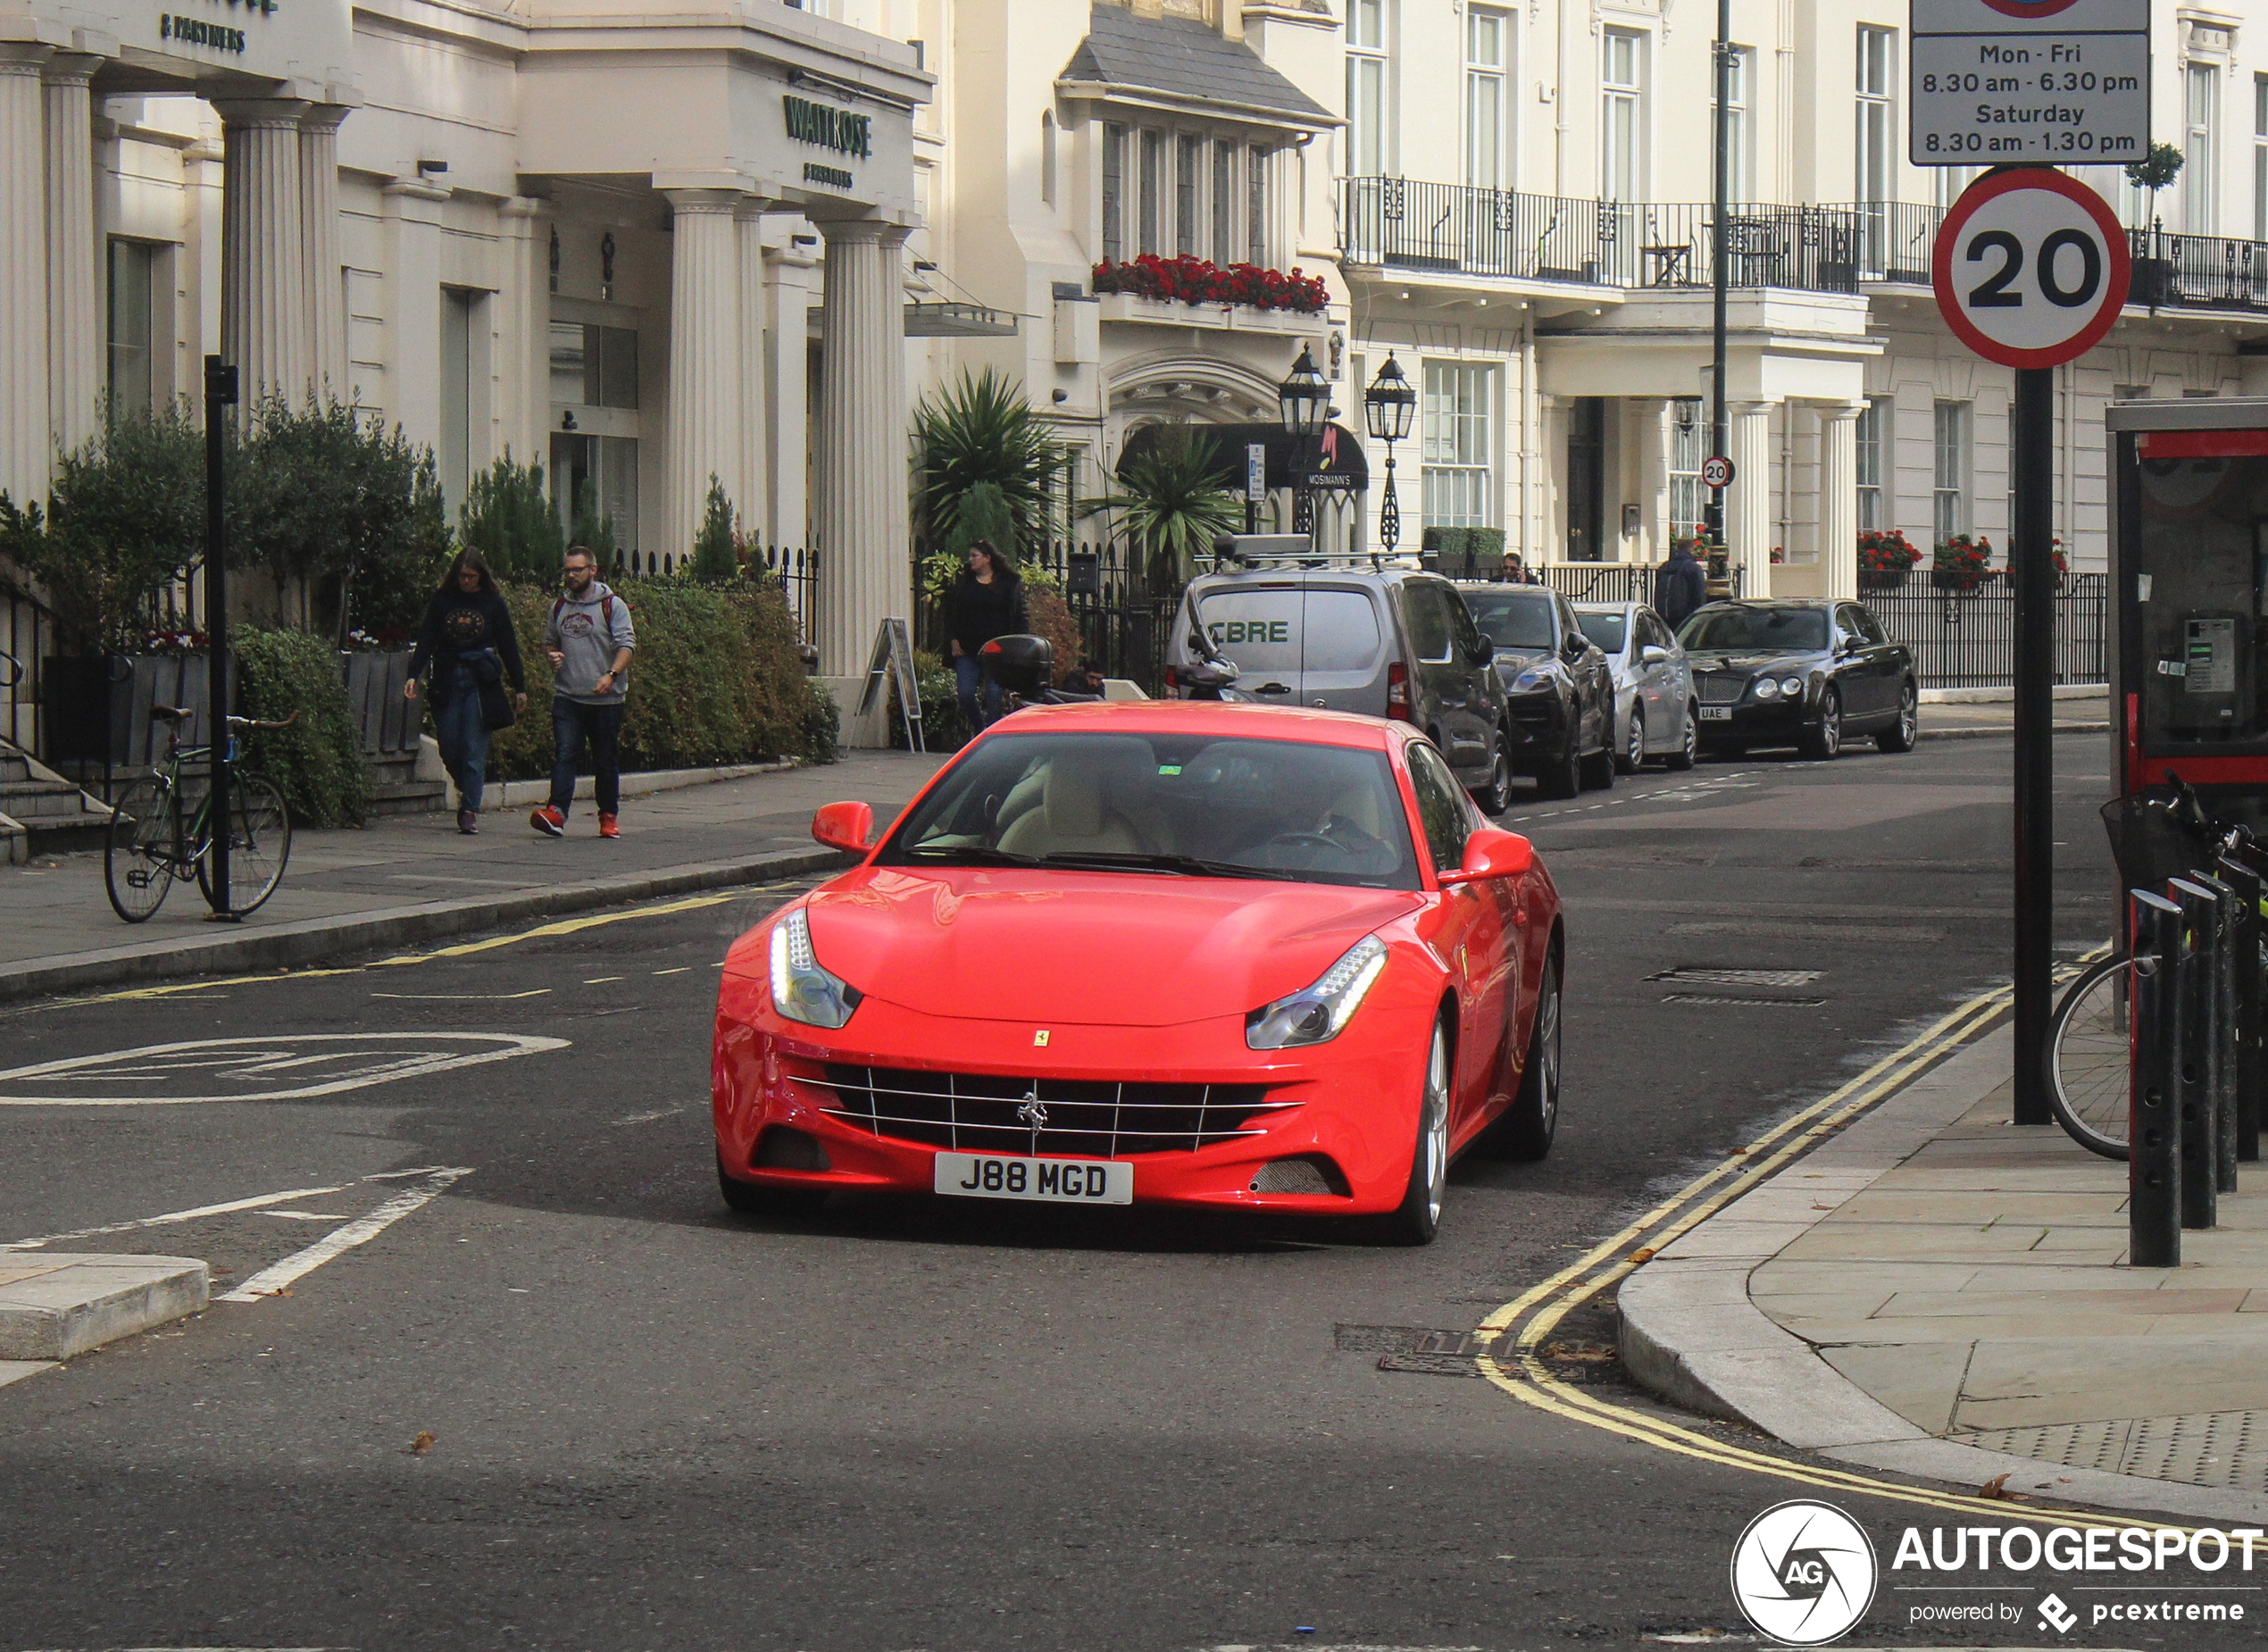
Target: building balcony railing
x=1399, y=223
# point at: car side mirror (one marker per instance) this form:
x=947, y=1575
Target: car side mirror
x=1490, y=853
x=845, y=826
x=1484, y=651
x=1653, y=654
x=1574, y=646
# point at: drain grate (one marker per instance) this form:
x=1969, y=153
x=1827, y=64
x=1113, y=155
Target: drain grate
x=1431, y=1365
x=1781, y=1004
x=1723, y=976
x=2227, y=1450
x=1796, y=930
x=1417, y=1350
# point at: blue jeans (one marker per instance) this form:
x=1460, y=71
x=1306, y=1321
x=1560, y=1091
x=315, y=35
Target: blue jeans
x=573, y=723
x=463, y=735
x=967, y=674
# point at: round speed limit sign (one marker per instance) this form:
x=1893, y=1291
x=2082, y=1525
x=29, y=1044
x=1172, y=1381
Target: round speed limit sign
x=1717, y=472
x=2030, y=267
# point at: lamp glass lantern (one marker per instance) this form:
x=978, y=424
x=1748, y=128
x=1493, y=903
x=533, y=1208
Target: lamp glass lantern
x=1303, y=397
x=1387, y=403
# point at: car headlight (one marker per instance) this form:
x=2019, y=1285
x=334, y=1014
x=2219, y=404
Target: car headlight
x=1766, y=689
x=1534, y=677
x=1315, y=1014
x=802, y=990
x=1791, y=686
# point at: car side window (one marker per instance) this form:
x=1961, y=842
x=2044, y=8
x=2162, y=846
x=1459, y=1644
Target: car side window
x=1870, y=628
x=1846, y=626
x=1442, y=810
x=1570, y=628
x=1425, y=609
x=1467, y=634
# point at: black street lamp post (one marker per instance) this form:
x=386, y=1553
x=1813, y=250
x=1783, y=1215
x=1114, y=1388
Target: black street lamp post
x=1386, y=406
x=1305, y=399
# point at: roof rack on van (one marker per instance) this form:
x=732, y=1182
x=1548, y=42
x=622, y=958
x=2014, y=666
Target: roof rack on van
x=1244, y=552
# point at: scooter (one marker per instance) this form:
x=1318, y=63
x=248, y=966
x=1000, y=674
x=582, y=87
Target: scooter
x=1023, y=667
x=1212, y=676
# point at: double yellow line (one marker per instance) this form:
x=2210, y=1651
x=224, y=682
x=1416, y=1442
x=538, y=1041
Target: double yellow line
x=1525, y=1323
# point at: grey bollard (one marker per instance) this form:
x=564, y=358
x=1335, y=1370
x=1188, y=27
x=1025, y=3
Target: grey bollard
x=2154, y=1152
x=2245, y=943
x=2221, y=1066
x=2196, y=1059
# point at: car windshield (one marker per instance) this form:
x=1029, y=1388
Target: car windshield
x=1755, y=630
x=1512, y=619
x=1607, y=629
x=1177, y=804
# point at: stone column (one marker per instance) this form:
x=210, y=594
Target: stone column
x=523, y=374
x=750, y=491
x=1748, y=507
x=1838, y=498
x=705, y=368
x=25, y=415
x=319, y=248
x=265, y=325
x=787, y=358
x=1648, y=422
x=75, y=353
x=860, y=524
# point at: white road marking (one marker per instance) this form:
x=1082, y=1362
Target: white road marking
x=177, y=1215
x=647, y=1118
x=306, y=1215
x=271, y=1281
x=600, y=981
x=468, y=997
x=382, y=1058
x=681, y=969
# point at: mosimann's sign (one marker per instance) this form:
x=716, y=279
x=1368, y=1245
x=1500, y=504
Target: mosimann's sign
x=195, y=31
x=831, y=129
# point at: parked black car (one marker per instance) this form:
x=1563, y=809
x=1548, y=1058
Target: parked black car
x=1559, y=687
x=1798, y=673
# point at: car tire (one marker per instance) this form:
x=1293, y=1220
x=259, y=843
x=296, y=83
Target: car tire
x=1821, y=738
x=1496, y=796
x=1562, y=775
x=1417, y=1218
x=1597, y=770
x=749, y=1199
x=1631, y=758
x=1899, y=736
x=1528, y=1126
x=1689, y=748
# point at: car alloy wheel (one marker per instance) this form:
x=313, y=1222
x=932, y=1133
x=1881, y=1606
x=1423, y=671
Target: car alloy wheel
x=1690, y=747
x=1417, y=1218
x=1562, y=775
x=1496, y=798
x=1633, y=754
x=1532, y=1120
x=1822, y=740
x=1899, y=736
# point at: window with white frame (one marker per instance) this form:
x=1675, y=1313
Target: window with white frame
x=1186, y=222
x=1739, y=182
x=133, y=283
x=1114, y=193
x=1225, y=202
x=1872, y=421
x=2260, y=157
x=1255, y=182
x=2200, y=120
x=1487, y=97
x=1950, y=503
x=1153, y=187
x=1877, y=114
x=1459, y=444
x=1622, y=104
x=1688, y=445
x=1369, y=75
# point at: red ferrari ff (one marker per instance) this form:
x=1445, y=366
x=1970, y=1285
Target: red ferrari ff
x=1169, y=952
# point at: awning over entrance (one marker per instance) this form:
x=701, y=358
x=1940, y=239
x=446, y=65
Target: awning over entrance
x=1332, y=461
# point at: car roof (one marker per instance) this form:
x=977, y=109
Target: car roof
x=1227, y=719
x=1608, y=607
x=1506, y=586
x=1778, y=602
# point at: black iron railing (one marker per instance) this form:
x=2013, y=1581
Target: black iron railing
x=1969, y=641
x=28, y=640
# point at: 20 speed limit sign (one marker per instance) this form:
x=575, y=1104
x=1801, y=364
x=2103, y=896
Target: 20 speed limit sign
x=2030, y=267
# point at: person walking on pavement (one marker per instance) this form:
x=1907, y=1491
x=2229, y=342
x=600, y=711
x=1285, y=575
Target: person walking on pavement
x=465, y=650
x=1681, y=585
x=987, y=600
x=589, y=640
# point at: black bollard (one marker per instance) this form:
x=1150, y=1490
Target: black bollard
x=2195, y=1058
x=2244, y=938
x=2221, y=1067
x=2154, y=1155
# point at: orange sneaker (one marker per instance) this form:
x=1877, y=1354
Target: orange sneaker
x=609, y=827
x=549, y=822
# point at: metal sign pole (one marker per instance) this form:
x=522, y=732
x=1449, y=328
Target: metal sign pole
x=220, y=394
x=2031, y=456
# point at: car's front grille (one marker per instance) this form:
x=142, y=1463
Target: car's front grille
x=1086, y=1118
x=1721, y=687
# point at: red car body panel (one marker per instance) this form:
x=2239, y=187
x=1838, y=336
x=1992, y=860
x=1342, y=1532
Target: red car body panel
x=1143, y=977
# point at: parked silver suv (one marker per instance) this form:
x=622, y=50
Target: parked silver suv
x=1348, y=634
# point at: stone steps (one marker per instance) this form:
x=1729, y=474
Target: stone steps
x=50, y=815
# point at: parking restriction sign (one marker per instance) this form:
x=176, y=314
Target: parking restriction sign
x=2029, y=82
x=2030, y=267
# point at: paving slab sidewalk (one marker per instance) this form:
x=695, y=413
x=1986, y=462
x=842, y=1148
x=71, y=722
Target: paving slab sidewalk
x=1938, y=1292
x=410, y=878
x=2078, y=709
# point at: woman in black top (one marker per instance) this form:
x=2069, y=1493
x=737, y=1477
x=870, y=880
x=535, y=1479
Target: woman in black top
x=986, y=602
x=467, y=642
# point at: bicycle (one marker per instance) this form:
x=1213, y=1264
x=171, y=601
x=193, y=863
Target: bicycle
x=159, y=835
x=2154, y=835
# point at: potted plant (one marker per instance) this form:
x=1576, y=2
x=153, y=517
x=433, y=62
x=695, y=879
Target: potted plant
x=1962, y=564
x=1885, y=557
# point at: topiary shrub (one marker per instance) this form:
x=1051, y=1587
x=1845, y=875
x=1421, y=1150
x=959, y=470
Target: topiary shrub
x=316, y=763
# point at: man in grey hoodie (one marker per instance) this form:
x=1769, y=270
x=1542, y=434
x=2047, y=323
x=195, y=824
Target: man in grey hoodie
x=589, y=640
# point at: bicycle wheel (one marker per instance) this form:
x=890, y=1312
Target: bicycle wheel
x=2090, y=1045
x=141, y=849
x=259, y=843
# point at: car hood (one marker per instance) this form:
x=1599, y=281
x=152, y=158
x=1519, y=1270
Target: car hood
x=1511, y=662
x=1717, y=660
x=1139, y=950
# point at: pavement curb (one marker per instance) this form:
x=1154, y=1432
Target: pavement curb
x=314, y=938
x=1692, y=1334
x=55, y=1307
x=2004, y=733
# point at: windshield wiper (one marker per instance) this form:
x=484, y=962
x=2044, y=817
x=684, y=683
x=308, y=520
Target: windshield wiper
x=1190, y=865
x=971, y=855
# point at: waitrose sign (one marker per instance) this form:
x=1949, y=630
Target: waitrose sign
x=831, y=128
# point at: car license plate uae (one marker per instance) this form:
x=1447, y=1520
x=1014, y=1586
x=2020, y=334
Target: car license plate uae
x=1055, y=1181
x=1716, y=714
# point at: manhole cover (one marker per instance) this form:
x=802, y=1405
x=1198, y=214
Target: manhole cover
x=1702, y=997
x=1721, y=976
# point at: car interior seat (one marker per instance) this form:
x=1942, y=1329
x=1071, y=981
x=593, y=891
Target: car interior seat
x=1076, y=813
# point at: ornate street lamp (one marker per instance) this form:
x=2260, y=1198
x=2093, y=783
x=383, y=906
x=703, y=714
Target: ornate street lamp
x=1386, y=406
x=1305, y=399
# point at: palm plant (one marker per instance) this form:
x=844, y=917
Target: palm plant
x=980, y=430
x=1171, y=503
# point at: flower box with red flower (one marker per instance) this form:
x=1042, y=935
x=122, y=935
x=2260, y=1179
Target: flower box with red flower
x=1885, y=557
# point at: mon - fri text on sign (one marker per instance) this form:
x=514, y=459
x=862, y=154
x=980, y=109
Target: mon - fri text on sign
x=2029, y=82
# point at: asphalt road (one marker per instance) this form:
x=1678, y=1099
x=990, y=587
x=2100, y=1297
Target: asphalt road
x=655, y=1426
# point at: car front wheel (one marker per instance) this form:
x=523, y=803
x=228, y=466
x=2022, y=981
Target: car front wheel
x=1821, y=738
x=1562, y=775
x=1417, y=1218
x=1633, y=757
x=1899, y=736
x=1496, y=796
x=1529, y=1123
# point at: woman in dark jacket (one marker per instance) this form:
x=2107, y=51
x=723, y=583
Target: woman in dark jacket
x=986, y=602
x=465, y=650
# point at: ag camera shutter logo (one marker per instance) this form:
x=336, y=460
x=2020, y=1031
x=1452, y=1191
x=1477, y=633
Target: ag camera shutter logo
x=1804, y=1572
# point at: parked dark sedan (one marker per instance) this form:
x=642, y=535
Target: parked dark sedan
x=1801, y=673
x=1559, y=688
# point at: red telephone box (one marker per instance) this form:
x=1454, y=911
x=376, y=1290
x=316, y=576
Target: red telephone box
x=2188, y=641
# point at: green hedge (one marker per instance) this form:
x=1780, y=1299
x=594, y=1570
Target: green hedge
x=317, y=762
x=717, y=679
x=1465, y=553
